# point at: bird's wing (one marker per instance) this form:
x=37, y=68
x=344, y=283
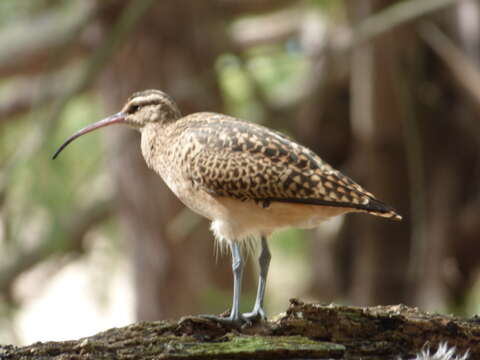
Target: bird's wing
x=247, y=161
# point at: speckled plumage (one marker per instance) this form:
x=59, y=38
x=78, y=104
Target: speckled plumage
x=228, y=157
x=209, y=158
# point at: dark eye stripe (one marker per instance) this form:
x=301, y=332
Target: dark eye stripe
x=133, y=108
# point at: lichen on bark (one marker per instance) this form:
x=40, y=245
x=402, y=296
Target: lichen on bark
x=311, y=331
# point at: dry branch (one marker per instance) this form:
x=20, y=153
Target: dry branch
x=31, y=92
x=396, y=15
x=28, y=46
x=464, y=71
x=306, y=331
x=276, y=27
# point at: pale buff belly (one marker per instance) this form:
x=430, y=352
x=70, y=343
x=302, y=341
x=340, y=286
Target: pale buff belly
x=235, y=220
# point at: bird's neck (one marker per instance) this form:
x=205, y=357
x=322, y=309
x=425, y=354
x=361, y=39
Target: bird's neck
x=155, y=141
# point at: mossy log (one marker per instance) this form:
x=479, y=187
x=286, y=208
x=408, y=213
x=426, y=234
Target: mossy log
x=310, y=331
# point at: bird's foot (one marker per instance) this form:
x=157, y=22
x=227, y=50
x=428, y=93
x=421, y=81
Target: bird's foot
x=257, y=314
x=233, y=321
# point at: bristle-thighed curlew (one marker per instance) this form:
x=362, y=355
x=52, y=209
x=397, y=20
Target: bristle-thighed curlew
x=247, y=179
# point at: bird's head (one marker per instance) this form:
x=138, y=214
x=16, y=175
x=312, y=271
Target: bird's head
x=149, y=106
x=142, y=108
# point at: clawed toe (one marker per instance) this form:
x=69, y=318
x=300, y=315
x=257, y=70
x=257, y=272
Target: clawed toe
x=255, y=315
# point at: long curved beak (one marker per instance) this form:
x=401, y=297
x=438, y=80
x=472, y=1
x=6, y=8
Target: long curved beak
x=117, y=118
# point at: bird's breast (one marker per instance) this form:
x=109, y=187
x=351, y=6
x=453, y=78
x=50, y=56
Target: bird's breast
x=168, y=161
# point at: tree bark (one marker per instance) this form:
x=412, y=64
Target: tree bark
x=305, y=331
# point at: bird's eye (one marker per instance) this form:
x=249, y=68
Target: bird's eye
x=133, y=109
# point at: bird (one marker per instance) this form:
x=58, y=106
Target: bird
x=247, y=179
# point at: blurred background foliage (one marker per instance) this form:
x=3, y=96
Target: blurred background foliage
x=387, y=91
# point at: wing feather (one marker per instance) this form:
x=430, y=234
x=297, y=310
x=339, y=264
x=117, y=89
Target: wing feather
x=247, y=161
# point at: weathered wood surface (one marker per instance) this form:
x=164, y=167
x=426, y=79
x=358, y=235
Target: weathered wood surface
x=310, y=331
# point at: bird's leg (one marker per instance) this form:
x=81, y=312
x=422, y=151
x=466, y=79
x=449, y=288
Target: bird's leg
x=237, y=268
x=238, y=265
x=264, y=261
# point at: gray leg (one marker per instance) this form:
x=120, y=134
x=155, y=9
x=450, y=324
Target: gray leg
x=235, y=317
x=237, y=268
x=264, y=262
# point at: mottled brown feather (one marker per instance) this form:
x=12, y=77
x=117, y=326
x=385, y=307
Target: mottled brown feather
x=237, y=159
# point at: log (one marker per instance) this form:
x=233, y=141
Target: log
x=310, y=331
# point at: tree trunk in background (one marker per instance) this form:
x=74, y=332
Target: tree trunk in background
x=173, y=48
x=323, y=125
x=451, y=164
x=407, y=122
x=381, y=247
x=464, y=246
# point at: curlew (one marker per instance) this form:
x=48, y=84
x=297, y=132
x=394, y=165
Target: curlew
x=248, y=180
